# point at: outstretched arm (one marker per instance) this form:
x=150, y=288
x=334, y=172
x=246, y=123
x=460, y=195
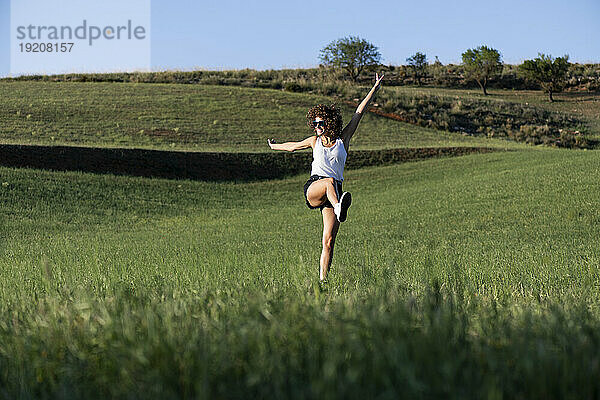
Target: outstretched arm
x=292, y=146
x=353, y=124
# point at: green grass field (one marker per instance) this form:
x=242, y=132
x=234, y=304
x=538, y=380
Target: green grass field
x=470, y=277
x=187, y=117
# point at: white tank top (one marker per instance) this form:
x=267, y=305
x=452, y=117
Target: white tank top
x=329, y=161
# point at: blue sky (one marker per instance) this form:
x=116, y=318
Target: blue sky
x=189, y=34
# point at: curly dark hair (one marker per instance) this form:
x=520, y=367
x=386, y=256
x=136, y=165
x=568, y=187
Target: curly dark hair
x=328, y=113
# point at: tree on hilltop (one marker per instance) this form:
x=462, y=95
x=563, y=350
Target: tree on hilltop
x=550, y=73
x=351, y=54
x=482, y=64
x=418, y=64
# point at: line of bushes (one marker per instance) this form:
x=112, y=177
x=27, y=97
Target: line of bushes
x=484, y=117
x=201, y=165
x=580, y=77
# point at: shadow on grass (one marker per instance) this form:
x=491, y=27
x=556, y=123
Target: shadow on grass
x=202, y=165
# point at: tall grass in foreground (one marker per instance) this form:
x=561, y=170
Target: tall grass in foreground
x=298, y=344
x=473, y=277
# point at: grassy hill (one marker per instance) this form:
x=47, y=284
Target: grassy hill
x=519, y=115
x=186, y=117
x=468, y=277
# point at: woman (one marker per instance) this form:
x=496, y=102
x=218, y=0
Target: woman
x=330, y=148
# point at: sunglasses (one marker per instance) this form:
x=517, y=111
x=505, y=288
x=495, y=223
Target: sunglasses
x=319, y=123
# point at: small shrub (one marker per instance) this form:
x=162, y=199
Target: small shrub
x=292, y=87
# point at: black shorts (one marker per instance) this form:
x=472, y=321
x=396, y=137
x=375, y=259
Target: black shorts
x=338, y=190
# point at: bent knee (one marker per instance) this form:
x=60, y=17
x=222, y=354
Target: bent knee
x=315, y=200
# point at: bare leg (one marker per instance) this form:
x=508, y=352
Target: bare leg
x=330, y=230
x=321, y=190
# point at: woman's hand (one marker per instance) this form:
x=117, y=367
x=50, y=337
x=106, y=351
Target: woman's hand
x=271, y=143
x=378, y=80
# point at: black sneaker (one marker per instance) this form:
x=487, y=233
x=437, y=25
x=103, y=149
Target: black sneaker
x=345, y=202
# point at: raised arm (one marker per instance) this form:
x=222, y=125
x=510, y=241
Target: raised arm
x=353, y=124
x=292, y=146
